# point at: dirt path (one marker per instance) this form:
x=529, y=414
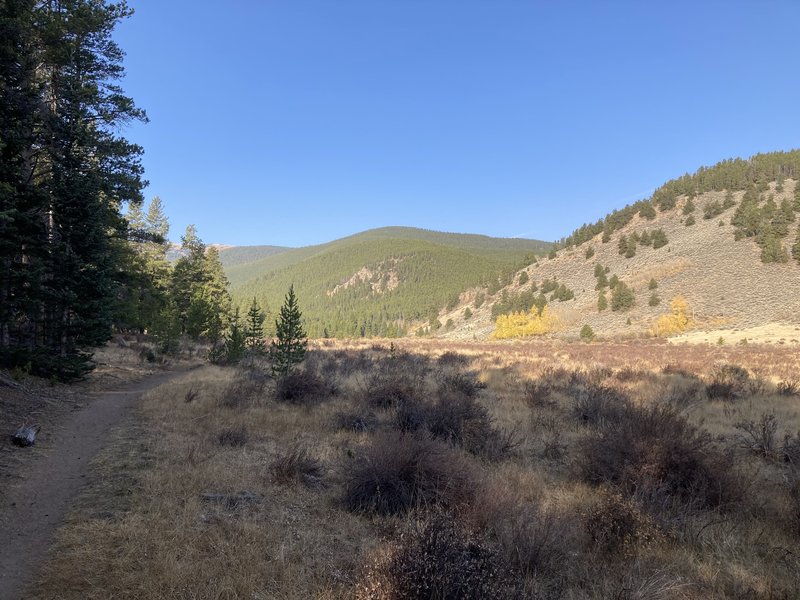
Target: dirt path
x=32, y=510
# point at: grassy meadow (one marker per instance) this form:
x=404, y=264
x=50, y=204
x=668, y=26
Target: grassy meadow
x=426, y=469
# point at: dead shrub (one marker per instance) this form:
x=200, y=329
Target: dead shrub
x=453, y=359
x=553, y=445
x=685, y=392
x=728, y=382
x=533, y=542
x=758, y=437
x=629, y=373
x=538, y=394
x=655, y=452
x=438, y=559
x=303, y=387
x=615, y=525
x=595, y=404
x=460, y=382
x=792, y=480
x=458, y=420
x=234, y=437
x=398, y=472
x=356, y=420
x=790, y=450
x=297, y=465
x=349, y=362
x=390, y=390
x=789, y=387
x=243, y=391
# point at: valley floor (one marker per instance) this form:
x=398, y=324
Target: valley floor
x=419, y=469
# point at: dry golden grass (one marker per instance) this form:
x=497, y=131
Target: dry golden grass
x=145, y=532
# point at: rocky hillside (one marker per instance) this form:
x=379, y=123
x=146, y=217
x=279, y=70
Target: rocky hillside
x=724, y=280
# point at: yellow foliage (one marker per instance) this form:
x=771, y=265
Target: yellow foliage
x=677, y=321
x=524, y=324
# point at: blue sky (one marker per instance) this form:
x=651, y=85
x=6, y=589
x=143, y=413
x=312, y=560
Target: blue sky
x=296, y=122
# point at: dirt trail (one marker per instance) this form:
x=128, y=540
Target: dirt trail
x=32, y=511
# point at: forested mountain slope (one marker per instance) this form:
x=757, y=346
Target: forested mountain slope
x=382, y=281
x=725, y=239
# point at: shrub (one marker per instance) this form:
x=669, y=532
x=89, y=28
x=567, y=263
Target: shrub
x=385, y=390
x=460, y=382
x=654, y=300
x=596, y=403
x=728, y=382
x=523, y=278
x=438, y=559
x=452, y=359
x=589, y=253
x=615, y=525
x=461, y=421
x=233, y=437
x=789, y=387
x=656, y=454
x=356, y=421
x=653, y=285
x=398, y=472
x=690, y=220
x=245, y=388
x=759, y=437
x=297, y=465
x=587, y=333
x=303, y=387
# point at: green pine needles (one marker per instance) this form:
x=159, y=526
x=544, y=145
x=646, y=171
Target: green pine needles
x=289, y=347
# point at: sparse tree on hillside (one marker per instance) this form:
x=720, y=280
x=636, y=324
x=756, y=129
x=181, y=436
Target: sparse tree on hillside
x=653, y=284
x=289, y=347
x=622, y=298
x=647, y=211
x=602, y=301
x=659, y=239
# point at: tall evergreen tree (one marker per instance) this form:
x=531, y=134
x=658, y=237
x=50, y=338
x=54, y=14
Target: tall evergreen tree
x=254, y=329
x=289, y=347
x=66, y=174
x=200, y=289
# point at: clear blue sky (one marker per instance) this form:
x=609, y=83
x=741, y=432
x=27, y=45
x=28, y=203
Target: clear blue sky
x=295, y=122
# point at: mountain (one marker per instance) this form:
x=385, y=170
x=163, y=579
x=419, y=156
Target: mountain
x=725, y=239
x=385, y=281
x=231, y=256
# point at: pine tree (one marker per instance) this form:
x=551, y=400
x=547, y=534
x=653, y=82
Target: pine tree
x=602, y=302
x=66, y=172
x=659, y=239
x=289, y=347
x=796, y=247
x=199, y=289
x=254, y=332
x=622, y=297
x=235, y=343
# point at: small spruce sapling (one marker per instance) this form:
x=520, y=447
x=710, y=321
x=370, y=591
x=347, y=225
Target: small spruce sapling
x=289, y=346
